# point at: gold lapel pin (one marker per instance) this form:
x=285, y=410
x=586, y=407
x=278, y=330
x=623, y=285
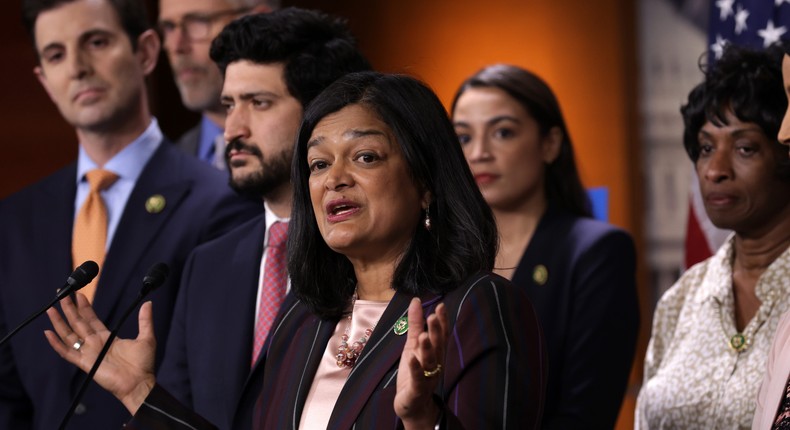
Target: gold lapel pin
x=540, y=274
x=401, y=326
x=155, y=204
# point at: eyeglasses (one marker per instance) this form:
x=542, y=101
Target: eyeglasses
x=196, y=26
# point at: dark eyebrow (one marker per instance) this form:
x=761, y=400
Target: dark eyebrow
x=738, y=132
x=501, y=118
x=491, y=121
x=251, y=95
x=356, y=134
x=314, y=142
x=83, y=37
x=350, y=134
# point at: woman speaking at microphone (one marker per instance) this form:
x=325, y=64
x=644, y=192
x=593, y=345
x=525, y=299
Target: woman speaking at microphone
x=398, y=320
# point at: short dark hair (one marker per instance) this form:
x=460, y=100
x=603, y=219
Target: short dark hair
x=131, y=13
x=315, y=48
x=563, y=186
x=463, y=236
x=745, y=81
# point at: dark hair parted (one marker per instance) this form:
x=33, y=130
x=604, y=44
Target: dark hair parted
x=743, y=81
x=563, y=187
x=315, y=48
x=463, y=236
x=132, y=15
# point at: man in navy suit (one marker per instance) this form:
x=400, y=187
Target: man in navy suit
x=274, y=65
x=94, y=56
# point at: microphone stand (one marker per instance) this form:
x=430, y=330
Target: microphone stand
x=156, y=277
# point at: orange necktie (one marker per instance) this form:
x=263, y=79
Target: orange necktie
x=89, y=239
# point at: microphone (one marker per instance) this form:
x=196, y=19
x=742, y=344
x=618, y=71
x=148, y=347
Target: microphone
x=155, y=277
x=80, y=277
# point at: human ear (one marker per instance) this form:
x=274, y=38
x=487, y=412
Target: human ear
x=148, y=47
x=552, y=144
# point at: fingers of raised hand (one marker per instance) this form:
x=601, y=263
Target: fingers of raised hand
x=416, y=320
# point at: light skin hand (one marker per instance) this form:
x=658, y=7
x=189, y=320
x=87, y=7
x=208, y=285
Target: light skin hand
x=127, y=370
x=424, y=350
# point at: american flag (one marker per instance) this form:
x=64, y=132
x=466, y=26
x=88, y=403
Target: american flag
x=752, y=23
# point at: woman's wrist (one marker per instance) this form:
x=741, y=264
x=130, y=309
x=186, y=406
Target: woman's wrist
x=428, y=419
x=137, y=396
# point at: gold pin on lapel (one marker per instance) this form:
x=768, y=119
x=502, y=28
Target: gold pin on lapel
x=540, y=274
x=401, y=326
x=155, y=204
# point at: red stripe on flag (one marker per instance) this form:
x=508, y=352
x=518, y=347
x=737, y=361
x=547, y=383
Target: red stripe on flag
x=697, y=248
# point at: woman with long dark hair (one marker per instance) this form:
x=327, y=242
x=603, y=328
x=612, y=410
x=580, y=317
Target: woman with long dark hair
x=577, y=272
x=397, y=319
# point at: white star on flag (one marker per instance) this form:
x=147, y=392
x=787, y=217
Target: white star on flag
x=725, y=8
x=718, y=47
x=771, y=34
x=779, y=2
x=740, y=19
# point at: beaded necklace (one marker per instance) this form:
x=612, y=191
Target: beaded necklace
x=347, y=355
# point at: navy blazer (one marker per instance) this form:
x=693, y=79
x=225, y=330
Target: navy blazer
x=35, y=258
x=585, y=297
x=209, y=352
x=494, y=374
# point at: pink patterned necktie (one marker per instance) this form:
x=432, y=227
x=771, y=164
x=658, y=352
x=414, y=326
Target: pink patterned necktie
x=275, y=278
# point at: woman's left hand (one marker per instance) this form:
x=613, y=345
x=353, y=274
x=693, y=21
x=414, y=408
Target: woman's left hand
x=421, y=366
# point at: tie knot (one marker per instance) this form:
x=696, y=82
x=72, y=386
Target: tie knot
x=100, y=179
x=277, y=233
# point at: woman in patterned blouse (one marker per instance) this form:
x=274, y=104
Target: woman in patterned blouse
x=712, y=330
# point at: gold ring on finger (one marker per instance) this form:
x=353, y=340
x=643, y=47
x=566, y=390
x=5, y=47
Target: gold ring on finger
x=432, y=373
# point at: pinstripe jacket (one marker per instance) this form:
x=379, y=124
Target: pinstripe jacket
x=495, y=367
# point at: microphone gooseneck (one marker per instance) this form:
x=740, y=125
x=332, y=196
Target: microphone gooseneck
x=155, y=277
x=80, y=277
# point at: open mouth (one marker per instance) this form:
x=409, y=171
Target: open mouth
x=342, y=208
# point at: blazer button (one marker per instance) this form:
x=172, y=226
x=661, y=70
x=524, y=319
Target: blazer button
x=80, y=409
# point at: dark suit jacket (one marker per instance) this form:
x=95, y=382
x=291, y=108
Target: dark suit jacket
x=208, y=355
x=190, y=140
x=35, y=259
x=589, y=313
x=494, y=375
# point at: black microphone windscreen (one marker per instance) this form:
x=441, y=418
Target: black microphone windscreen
x=155, y=277
x=83, y=275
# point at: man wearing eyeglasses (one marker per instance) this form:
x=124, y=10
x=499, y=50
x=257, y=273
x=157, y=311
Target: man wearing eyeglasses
x=187, y=28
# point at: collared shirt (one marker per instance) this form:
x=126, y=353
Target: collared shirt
x=271, y=218
x=693, y=378
x=127, y=164
x=208, y=135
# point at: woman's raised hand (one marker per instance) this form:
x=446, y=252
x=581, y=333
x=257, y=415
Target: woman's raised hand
x=128, y=368
x=421, y=366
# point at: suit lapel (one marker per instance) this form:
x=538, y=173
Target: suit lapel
x=380, y=355
x=138, y=229
x=243, y=285
x=55, y=222
x=315, y=336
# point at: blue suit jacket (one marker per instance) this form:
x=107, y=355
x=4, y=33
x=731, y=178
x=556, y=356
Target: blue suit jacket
x=589, y=312
x=208, y=357
x=494, y=374
x=35, y=259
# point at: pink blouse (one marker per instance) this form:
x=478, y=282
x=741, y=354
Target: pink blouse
x=329, y=378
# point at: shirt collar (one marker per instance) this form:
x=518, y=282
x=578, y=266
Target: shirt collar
x=271, y=218
x=208, y=133
x=717, y=282
x=129, y=163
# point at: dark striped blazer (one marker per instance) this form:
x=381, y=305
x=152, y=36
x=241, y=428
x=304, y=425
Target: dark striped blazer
x=495, y=367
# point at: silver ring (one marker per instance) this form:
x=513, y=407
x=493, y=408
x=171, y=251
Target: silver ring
x=78, y=344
